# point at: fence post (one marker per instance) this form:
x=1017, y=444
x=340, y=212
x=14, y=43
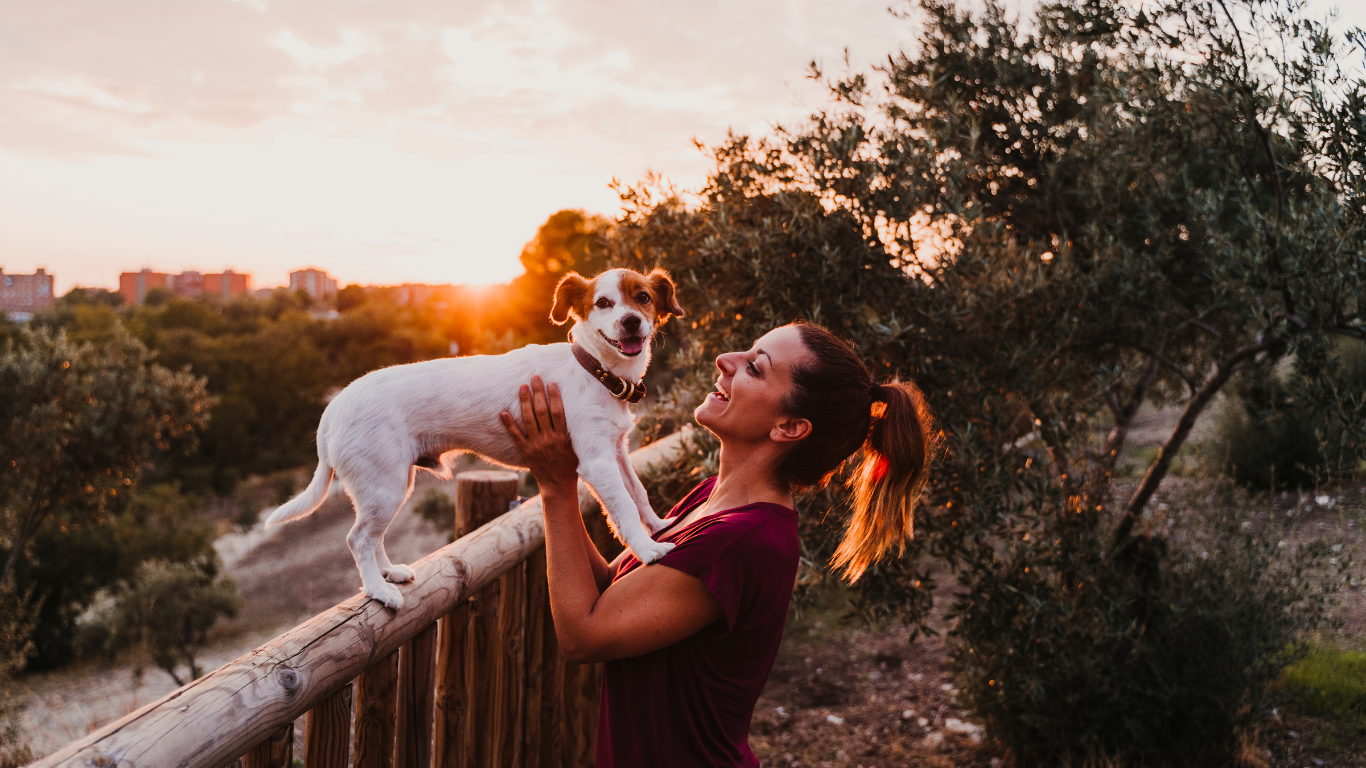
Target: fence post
x=327, y=731
x=275, y=752
x=413, y=742
x=479, y=497
x=376, y=711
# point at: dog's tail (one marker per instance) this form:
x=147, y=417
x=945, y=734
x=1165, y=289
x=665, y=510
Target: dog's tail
x=305, y=503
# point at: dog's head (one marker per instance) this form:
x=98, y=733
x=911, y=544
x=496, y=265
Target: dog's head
x=620, y=308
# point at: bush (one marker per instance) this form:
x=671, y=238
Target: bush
x=167, y=610
x=17, y=613
x=1274, y=435
x=438, y=507
x=1159, y=655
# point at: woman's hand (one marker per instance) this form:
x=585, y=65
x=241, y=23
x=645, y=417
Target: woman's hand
x=543, y=438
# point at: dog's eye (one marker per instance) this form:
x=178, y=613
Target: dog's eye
x=604, y=303
x=643, y=298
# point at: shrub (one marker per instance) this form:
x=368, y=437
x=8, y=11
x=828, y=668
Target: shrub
x=17, y=617
x=167, y=611
x=1160, y=654
x=438, y=507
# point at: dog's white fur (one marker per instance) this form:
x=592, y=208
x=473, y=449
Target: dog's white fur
x=371, y=434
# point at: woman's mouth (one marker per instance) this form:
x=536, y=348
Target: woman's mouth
x=721, y=393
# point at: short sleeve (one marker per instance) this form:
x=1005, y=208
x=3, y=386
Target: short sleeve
x=725, y=559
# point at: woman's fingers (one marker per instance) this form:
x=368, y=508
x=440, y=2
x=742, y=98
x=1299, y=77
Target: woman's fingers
x=515, y=431
x=556, y=408
x=539, y=404
x=529, y=425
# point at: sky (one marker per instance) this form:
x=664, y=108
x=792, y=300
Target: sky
x=386, y=141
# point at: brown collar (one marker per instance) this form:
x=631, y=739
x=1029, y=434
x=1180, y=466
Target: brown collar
x=617, y=387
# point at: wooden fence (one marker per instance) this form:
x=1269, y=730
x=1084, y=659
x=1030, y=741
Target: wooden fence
x=467, y=673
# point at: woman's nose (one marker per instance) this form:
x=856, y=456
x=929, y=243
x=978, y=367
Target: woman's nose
x=724, y=364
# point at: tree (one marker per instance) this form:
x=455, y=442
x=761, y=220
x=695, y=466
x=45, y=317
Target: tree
x=569, y=241
x=79, y=425
x=1047, y=228
x=168, y=609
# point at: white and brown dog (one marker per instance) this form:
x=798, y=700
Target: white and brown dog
x=388, y=423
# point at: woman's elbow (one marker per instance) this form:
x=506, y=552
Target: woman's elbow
x=583, y=651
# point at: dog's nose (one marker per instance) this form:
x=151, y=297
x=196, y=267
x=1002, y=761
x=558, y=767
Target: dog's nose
x=631, y=323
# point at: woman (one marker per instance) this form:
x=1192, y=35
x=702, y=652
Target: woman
x=689, y=640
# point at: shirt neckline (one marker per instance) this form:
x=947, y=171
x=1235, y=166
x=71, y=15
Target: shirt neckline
x=782, y=509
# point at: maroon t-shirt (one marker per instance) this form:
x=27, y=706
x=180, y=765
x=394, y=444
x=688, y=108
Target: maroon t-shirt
x=690, y=704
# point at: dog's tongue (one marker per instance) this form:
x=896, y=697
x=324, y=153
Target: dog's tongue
x=632, y=344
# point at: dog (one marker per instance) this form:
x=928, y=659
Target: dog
x=387, y=424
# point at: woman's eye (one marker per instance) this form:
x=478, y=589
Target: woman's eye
x=753, y=369
x=604, y=303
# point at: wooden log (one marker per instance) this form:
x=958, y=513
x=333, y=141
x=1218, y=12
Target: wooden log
x=416, y=665
x=376, y=714
x=217, y=718
x=327, y=731
x=479, y=497
x=451, y=703
x=277, y=751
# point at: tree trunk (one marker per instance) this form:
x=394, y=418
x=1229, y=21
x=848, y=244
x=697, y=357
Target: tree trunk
x=1194, y=407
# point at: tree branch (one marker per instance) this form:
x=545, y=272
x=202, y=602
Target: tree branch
x=1124, y=415
x=1223, y=370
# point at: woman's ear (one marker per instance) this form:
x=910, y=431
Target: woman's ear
x=665, y=299
x=790, y=430
x=568, y=295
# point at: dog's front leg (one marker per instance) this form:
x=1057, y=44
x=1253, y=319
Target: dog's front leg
x=603, y=474
x=648, y=518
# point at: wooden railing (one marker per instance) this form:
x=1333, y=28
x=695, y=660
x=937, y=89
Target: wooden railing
x=467, y=673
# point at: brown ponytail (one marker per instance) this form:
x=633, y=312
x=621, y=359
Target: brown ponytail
x=891, y=423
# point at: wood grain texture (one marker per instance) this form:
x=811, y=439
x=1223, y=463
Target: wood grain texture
x=376, y=714
x=277, y=751
x=451, y=704
x=327, y=731
x=219, y=717
x=536, y=668
x=416, y=670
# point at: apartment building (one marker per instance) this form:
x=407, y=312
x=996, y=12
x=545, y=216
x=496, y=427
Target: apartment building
x=314, y=282
x=22, y=295
x=224, y=285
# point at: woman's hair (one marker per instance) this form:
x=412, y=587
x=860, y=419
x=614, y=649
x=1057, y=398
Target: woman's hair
x=833, y=390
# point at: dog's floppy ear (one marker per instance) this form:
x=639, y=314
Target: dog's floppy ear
x=665, y=299
x=568, y=295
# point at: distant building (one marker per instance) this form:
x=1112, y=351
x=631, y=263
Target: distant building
x=22, y=295
x=417, y=293
x=224, y=285
x=314, y=282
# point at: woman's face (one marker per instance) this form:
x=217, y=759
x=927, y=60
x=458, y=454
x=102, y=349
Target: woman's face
x=750, y=387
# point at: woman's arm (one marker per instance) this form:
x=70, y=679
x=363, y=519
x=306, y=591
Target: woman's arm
x=647, y=610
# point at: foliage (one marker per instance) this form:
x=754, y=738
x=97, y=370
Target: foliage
x=1160, y=656
x=1048, y=226
x=70, y=567
x=1331, y=683
x=1273, y=436
x=16, y=625
x=437, y=507
x=167, y=610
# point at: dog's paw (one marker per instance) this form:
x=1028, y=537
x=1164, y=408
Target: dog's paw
x=398, y=574
x=653, y=551
x=386, y=593
x=653, y=523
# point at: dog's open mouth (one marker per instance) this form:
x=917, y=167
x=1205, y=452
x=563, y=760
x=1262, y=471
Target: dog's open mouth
x=627, y=345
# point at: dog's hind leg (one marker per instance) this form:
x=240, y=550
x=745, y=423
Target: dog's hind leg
x=378, y=497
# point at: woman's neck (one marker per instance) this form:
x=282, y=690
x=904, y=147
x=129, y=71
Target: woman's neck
x=748, y=477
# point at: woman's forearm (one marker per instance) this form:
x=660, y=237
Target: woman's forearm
x=576, y=571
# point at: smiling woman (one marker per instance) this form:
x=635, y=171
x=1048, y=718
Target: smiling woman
x=689, y=640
